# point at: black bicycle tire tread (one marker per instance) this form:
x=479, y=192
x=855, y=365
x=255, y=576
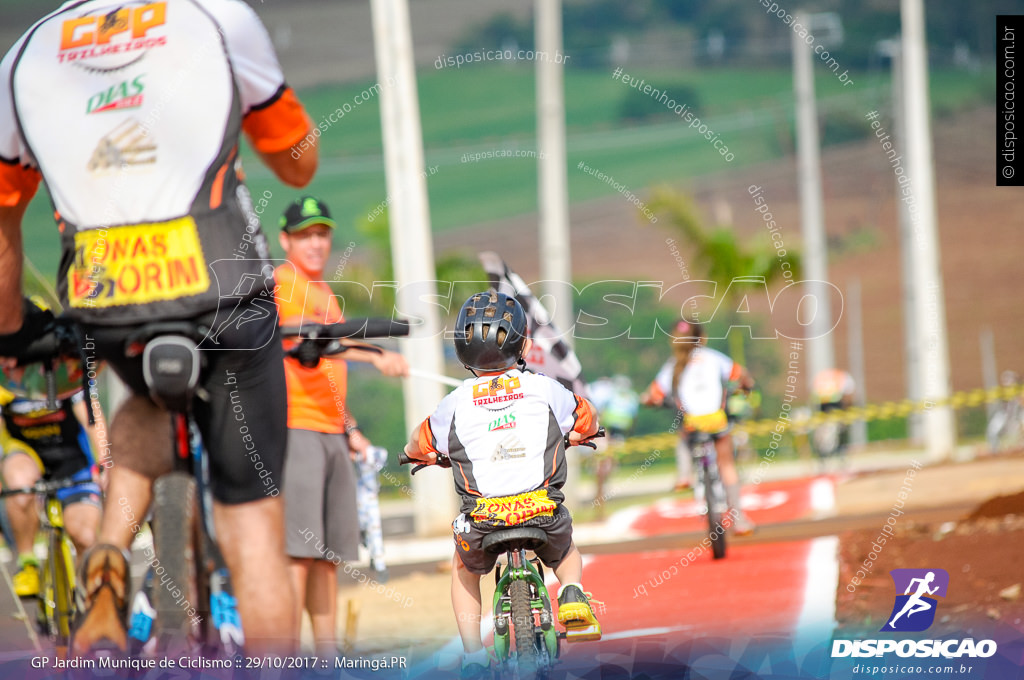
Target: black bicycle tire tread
x=173, y=509
x=716, y=532
x=522, y=625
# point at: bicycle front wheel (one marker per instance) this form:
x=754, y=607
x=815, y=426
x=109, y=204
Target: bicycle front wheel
x=175, y=592
x=714, y=497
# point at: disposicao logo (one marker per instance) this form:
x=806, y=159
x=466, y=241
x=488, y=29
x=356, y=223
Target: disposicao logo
x=914, y=611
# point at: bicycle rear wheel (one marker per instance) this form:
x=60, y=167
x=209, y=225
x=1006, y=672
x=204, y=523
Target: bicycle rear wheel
x=523, y=624
x=175, y=589
x=714, y=497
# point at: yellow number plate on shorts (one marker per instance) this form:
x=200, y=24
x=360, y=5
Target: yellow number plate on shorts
x=137, y=264
x=512, y=510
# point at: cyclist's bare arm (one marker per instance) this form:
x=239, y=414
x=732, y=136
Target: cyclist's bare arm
x=413, y=450
x=391, y=364
x=81, y=410
x=296, y=172
x=10, y=264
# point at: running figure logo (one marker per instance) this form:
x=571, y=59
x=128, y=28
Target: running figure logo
x=914, y=609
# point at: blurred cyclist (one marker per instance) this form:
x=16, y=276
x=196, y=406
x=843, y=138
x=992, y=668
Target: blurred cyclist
x=694, y=380
x=40, y=442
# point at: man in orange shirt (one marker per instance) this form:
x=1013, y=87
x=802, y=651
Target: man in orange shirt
x=321, y=517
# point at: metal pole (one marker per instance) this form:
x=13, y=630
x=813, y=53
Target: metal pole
x=911, y=350
x=552, y=184
x=855, y=341
x=820, y=354
x=412, y=248
x=989, y=366
x=553, y=195
x=939, y=426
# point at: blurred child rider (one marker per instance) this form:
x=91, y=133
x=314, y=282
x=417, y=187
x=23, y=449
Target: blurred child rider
x=695, y=379
x=319, y=480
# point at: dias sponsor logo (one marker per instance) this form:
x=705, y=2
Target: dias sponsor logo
x=914, y=611
x=125, y=95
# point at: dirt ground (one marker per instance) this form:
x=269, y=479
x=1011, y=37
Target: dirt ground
x=982, y=553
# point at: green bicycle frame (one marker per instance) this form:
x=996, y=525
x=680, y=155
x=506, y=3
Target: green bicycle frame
x=518, y=567
x=57, y=591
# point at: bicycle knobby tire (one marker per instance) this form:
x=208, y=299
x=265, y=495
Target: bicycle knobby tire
x=174, y=541
x=522, y=625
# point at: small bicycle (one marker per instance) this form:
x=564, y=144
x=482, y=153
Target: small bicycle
x=57, y=604
x=521, y=605
x=709, y=489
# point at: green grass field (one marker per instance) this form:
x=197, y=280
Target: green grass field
x=491, y=107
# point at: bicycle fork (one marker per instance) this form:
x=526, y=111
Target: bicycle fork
x=519, y=568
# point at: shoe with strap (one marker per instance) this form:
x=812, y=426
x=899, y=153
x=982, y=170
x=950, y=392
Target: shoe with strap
x=577, y=615
x=742, y=526
x=26, y=581
x=104, y=584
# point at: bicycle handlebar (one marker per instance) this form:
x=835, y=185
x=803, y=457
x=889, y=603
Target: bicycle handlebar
x=445, y=462
x=354, y=328
x=43, y=487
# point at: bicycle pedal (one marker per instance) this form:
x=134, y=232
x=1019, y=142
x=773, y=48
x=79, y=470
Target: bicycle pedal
x=582, y=632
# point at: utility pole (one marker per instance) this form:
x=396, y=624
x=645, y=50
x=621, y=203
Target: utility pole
x=553, y=193
x=820, y=353
x=911, y=352
x=930, y=308
x=412, y=248
x=855, y=342
x=552, y=184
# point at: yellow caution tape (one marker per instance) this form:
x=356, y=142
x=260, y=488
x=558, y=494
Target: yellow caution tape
x=883, y=411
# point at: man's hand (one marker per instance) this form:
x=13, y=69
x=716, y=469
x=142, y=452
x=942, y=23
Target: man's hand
x=391, y=364
x=357, y=444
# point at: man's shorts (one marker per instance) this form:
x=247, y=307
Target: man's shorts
x=469, y=537
x=244, y=419
x=320, y=512
x=64, y=465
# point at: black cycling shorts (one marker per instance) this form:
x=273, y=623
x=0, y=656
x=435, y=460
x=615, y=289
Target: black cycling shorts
x=244, y=421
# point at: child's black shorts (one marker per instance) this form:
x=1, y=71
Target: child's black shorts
x=469, y=537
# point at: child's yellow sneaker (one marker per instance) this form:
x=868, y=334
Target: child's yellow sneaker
x=576, y=614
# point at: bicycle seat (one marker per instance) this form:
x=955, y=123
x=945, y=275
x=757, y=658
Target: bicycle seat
x=519, y=538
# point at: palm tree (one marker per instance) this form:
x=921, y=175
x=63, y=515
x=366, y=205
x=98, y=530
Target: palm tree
x=719, y=256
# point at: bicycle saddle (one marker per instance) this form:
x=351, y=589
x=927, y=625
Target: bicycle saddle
x=526, y=538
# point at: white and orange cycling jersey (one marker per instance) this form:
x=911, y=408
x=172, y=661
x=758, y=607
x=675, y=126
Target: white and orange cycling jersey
x=832, y=385
x=504, y=434
x=131, y=113
x=701, y=390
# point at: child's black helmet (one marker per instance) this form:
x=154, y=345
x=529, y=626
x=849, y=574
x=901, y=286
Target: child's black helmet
x=490, y=331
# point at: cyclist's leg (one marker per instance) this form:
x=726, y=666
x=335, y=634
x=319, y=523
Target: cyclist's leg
x=22, y=468
x=256, y=559
x=731, y=481
x=82, y=520
x=684, y=465
x=467, y=606
x=244, y=427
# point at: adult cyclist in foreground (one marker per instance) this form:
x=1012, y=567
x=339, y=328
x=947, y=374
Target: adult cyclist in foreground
x=131, y=114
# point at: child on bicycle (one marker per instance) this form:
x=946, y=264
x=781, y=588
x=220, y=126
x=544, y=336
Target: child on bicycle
x=695, y=380
x=502, y=432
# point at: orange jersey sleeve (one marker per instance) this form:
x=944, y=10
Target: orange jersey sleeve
x=278, y=124
x=18, y=184
x=426, y=438
x=586, y=416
